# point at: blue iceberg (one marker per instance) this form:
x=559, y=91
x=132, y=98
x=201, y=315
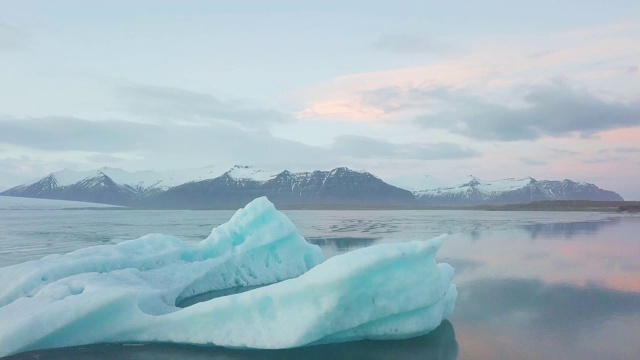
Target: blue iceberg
x=130, y=292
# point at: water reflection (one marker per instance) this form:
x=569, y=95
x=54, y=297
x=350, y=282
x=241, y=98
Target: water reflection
x=573, y=294
x=537, y=320
x=440, y=344
x=602, y=252
x=568, y=230
x=463, y=266
x=364, y=226
x=551, y=307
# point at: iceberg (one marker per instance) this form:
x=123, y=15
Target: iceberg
x=131, y=291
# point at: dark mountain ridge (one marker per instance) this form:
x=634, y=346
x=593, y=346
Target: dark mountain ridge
x=340, y=188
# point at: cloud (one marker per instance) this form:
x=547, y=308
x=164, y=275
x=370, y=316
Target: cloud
x=69, y=133
x=396, y=99
x=531, y=161
x=382, y=95
x=170, y=145
x=605, y=160
x=104, y=158
x=19, y=169
x=89, y=144
x=552, y=110
x=409, y=44
x=75, y=134
x=624, y=150
x=332, y=110
x=11, y=38
x=168, y=103
x=612, y=155
x=563, y=152
x=365, y=147
x=494, y=71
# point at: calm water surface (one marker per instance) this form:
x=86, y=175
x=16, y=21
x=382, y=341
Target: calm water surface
x=532, y=285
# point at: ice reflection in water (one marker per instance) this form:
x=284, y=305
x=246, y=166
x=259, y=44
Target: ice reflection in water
x=439, y=344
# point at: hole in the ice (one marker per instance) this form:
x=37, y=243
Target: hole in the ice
x=183, y=303
x=76, y=290
x=44, y=278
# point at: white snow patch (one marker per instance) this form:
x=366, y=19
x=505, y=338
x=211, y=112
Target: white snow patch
x=243, y=172
x=142, y=179
x=471, y=182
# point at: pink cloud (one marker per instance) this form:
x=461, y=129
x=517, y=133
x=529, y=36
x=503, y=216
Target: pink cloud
x=621, y=137
x=343, y=109
x=492, y=71
x=343, y=98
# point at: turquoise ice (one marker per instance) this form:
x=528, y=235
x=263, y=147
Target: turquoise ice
x=128, y=292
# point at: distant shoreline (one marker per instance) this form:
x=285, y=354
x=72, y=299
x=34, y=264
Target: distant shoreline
x=555, y=205
x=569, y=205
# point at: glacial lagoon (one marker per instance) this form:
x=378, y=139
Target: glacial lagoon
x=531, y=284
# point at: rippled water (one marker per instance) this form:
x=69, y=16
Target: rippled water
x=532, y=285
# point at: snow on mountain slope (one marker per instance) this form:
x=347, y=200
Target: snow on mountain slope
x=243, y=172
x=140, y=179
x=110, y=185
x=465, y=185
x=416, y=183
x=220, y=186
x=473, y=191
x=67, y=176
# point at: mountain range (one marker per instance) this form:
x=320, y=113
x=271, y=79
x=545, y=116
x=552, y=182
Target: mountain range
x=213, y=187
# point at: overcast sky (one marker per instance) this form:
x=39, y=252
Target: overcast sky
x=497, y=89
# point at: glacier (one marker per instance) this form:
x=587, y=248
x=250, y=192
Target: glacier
x=130, y=292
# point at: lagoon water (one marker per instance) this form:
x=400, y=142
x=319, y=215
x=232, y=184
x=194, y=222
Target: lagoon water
x=532, y=285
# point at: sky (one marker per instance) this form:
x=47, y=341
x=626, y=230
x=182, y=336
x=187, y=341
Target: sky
x=408, y=90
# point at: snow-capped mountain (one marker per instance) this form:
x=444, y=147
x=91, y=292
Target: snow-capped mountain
x=109, y=185
x=473, y=191
x=224, y=187
x=214, y=188
x=96, y=187
x=142, y=180
x=340, y=186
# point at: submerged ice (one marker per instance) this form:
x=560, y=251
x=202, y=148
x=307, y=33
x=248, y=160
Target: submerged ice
x=129, y=292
